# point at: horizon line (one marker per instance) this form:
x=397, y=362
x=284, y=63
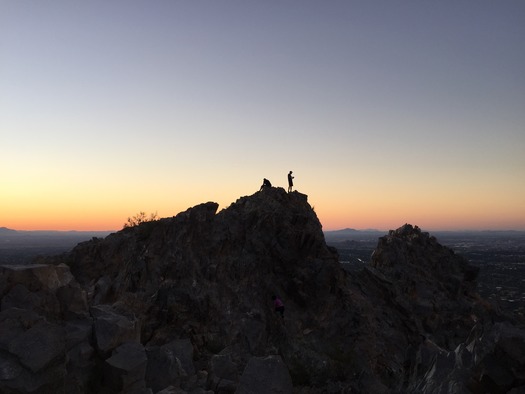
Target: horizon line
x=327, y=230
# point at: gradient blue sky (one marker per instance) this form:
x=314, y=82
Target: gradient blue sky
x=387, y=111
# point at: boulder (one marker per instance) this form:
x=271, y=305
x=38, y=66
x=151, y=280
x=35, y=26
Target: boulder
x=32, y=353
x=39, y=346
x=36, y=276
x=182, y=349
x=112, y=328
x=498, y=358
x=125, y=370
x=265, y=375
x=81, y=355
x=224, y=375
x=81, y=364
x=42, y=302
x=50, y=290
x=165, y=364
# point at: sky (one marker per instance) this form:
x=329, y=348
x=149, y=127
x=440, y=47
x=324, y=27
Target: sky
x=387, y=112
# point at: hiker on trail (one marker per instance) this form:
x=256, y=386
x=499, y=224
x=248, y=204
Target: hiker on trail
x=266, y=183
x=278, y=305
x=290, y=181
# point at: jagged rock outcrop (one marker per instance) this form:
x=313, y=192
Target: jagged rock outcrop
x=491, y=360
x=428, y=282
x=183, y=304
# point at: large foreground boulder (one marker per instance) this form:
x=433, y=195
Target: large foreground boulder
x=49, y=290
x=32, y=353
x=113, y=328
x=40, y=349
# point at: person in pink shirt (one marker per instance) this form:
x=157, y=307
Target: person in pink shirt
x=278, y=305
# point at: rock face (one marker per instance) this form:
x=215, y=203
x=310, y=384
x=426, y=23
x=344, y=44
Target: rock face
x=431, y=283
x=183, y=305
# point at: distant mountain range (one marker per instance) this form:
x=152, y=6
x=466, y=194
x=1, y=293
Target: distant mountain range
x=352, y=234
x=354, y=231
x=4, y=231
x=14, y=239
x=7, y=231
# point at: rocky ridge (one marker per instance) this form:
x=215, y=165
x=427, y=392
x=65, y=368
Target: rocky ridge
x=183, y=305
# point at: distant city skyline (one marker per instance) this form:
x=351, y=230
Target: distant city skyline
x=386, y=112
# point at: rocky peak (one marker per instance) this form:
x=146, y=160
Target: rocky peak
x=412, y=255
x=429, y=282
x=269, y=240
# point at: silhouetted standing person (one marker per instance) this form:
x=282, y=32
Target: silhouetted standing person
x=266, y=183
x=290, y=181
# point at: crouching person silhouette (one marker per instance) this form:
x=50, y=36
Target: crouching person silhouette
x=266, y=183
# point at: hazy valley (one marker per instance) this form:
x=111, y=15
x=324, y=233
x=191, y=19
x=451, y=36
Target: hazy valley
x=20, y=247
